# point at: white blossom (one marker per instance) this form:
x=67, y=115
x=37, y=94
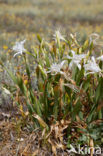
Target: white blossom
x=56, y=68
x=91, y=67
x=100, y=58
x=19, y=48
x=76, y=59
x=94, y=37
x=58, y=35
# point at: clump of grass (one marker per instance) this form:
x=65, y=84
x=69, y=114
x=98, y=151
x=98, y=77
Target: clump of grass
x=66, y=100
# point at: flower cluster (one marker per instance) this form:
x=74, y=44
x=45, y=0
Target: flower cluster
x=56, y=68
x=76, y=59
x=19, y=47
x=90, y=65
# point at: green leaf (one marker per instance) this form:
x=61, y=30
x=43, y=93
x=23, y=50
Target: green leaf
x=76, y=109
x=99, y=90
x=85, y=46
x=39, y=38
x=13, y=77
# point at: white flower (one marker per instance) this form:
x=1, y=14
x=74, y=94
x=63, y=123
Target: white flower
x=76, y=59
x=56, y=68
x=91, y=67
x=94, y=37
x=58, y=36
x=19, y=48
x=100, y=58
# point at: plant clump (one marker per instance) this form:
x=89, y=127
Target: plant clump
x=66, y=100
